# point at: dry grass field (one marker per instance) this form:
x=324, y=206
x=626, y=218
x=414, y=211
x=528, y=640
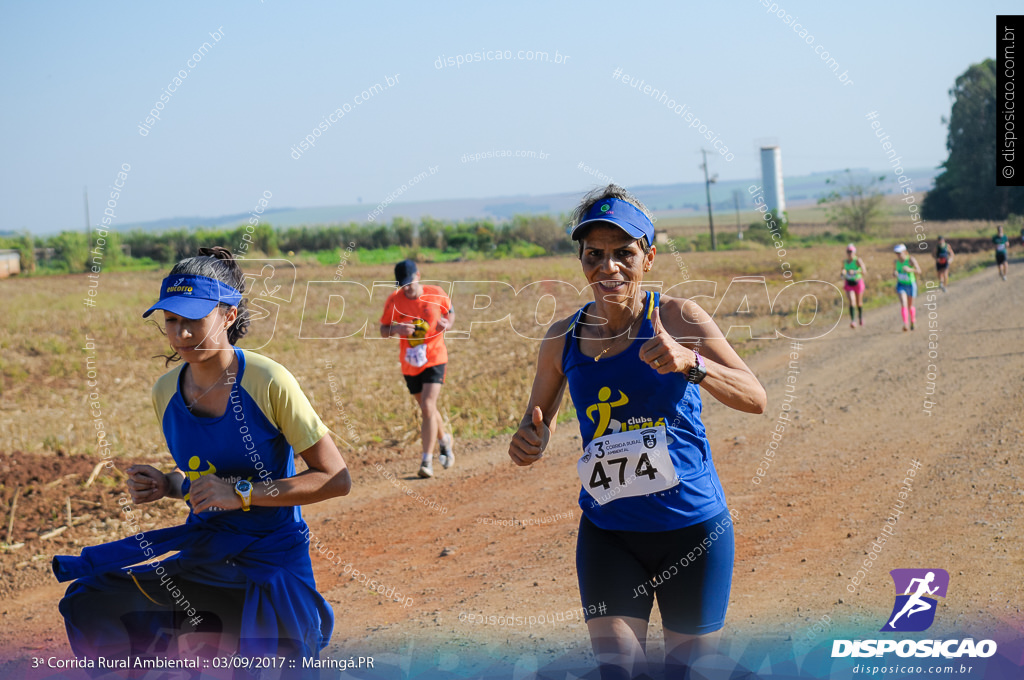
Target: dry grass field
x=47, y=375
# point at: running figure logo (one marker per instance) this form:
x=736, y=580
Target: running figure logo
x=193, y=473
x=914, y=610
x=604, y=410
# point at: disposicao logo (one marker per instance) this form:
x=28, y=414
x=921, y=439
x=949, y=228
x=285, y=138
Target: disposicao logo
x=914, y=610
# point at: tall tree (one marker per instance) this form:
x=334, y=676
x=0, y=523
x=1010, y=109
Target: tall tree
x=967, y=187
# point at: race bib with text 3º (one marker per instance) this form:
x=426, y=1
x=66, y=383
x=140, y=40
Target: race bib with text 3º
x=631, y=463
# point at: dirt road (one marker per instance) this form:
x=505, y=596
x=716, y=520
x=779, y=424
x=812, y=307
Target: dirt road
x=857, y=424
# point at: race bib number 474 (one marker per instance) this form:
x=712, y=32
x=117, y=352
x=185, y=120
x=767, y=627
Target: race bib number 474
x=632, y=463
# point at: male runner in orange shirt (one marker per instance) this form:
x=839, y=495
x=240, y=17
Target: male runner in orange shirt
x=418, y=315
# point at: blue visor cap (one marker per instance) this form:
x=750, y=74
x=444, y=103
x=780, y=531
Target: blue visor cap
x=193, y=297
x=622, y=214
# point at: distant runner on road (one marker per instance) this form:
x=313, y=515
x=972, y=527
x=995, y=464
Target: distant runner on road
x=1001, y=241
x=853, y=273
x=419, y=315
x=943, y=260
x=905, y=271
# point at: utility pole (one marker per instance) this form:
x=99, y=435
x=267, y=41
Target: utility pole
x=707, y=187
x=88, y=228
x=736, y=198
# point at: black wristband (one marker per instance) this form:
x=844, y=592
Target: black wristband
x=699, y=370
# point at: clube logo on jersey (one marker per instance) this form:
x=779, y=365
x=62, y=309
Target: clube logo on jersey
x=604, y=423
x=195, y=471
x=913, y=611
x=625, y=458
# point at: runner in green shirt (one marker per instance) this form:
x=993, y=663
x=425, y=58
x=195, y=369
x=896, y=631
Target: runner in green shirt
x=853, y=272
x=905, y=271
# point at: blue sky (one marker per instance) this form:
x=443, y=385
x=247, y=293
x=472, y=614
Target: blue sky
x=78, y=79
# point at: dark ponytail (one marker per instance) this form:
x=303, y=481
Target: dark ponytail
x=226, y=270
x=217, y=263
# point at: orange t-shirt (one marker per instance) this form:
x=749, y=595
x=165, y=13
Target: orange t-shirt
x=430, y=306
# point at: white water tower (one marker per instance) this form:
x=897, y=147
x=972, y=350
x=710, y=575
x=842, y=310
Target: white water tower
x=771, y=179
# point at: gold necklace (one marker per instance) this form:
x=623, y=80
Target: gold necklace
x=631, y=323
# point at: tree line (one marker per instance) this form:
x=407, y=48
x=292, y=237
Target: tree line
x=73, y=251
x=967, y=189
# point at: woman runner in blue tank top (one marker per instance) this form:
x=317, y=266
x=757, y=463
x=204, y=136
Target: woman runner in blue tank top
x=654, y=521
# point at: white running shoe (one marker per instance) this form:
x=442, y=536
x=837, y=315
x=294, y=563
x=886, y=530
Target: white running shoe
x=447, y=456
x=426, y=470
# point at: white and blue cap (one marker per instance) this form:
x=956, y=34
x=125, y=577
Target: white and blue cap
x=619, y=213
x=193, y=297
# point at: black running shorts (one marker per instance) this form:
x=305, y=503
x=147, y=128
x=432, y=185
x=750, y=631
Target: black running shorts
x=690, y=570
x=431, y=374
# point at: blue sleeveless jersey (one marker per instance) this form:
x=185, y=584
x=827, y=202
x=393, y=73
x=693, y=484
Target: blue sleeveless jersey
x=621, y=393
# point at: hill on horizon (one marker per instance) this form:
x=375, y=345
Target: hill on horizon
x=675, y=199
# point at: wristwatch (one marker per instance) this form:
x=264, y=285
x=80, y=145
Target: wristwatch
x=243, y=488
x=699, y=370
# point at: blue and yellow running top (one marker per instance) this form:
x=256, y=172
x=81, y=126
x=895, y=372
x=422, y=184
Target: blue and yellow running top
x=267, y=419
x=646, y=463
x=264, y=551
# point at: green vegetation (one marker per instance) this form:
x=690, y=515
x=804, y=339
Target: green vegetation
x=430, y=239
x=967, y=187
